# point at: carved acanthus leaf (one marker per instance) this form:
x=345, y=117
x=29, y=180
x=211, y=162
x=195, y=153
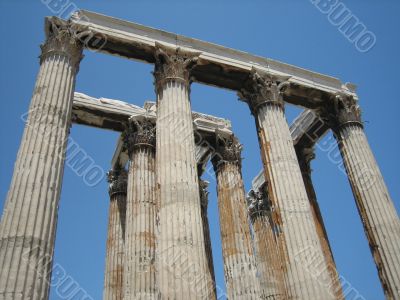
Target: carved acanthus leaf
x=173, y=63
x=258, y=204
x=262, y=88
x=62, y=40
x=140, y=134
x=342, y=109
x=229, y=148
x=118, y=179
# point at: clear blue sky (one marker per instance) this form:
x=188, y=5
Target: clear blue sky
x=294, y=32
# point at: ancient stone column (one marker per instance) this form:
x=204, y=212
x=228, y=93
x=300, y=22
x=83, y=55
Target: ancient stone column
x=113, y=280
x=140, y=241
x=181, y=258
x=305, y=277
x=376, y=208
x=29, y=221
x=239, y=261
x=305, y=155
x=269, y=262
x=203, y=185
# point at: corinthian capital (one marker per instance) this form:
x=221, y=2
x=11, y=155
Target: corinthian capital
x=228, y=150
x=340, y=110
x=173, y=63
x=261, y=88
x=62, y=40
x=118, y=181
x=258, y=204
x=140, y=133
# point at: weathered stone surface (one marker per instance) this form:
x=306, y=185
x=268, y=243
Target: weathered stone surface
x=268, y=256
x=305, y=155
x=115, y=261
x=292, y=211
x=376, y=208
x=203, y=185
x=182, y=265
x=140, y=237
x=30, y=211
x=306, y=130
x=239, y=261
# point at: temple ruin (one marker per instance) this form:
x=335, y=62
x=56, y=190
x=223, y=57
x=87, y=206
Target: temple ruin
x=158, y=243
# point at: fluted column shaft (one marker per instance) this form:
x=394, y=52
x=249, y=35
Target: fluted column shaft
x=113, y=275
x=206, y=229
x=140, y=240
x=304, y=278
x=269, y=262
x=28, y=225
x=378, y=214
x=305, y=155
x=239, y=260
x=181, y=258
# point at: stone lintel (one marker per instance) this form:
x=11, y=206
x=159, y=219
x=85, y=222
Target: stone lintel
x=217, y=65
x=114, y=115
x=111, y=114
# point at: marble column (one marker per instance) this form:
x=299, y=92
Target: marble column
x=305, y=277
x=113, y=275
x=140, y=240
x=239, y=261
x=375, y=206
x=203, y=185
x=269, y=262
x=29, y=220
x=305, y=155
x=181, y=258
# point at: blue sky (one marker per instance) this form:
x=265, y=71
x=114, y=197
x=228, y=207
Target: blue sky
x=295, y=32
